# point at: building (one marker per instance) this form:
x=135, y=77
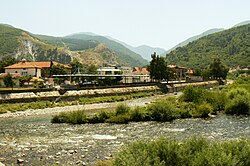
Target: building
x=34, y=69
x=109, y=71
x=180, y=72
x=25, y=69
x=140, y=75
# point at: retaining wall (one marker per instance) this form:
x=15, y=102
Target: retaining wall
x=74, y=94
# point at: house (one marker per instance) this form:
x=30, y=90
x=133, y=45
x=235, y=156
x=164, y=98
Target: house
x=34, y=69
x=109, y=71
x=180, y=72
x=25, y=69
x=140, y=75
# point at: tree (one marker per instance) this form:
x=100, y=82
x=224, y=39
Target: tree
x=218, y=70
x=8, y=80
x=6, y=62
x=58, y=70
x=159, y=69
x=77, y=66
x=92, y=69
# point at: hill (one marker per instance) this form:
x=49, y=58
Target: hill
x=143, y=50
x=21, y=44
x=242, y=23
x=232, y=46
x=146, y=51
x=208, y=32
x=124, y=55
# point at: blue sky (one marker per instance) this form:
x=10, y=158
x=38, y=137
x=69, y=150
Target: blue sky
x=161, y=23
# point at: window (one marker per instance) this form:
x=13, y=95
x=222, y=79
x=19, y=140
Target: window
x=24, y=73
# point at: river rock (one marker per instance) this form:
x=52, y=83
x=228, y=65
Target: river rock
x=1, y=164
x=71, y=151
x=59, y=154
x=19, y=161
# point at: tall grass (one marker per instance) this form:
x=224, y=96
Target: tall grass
x=195, y=151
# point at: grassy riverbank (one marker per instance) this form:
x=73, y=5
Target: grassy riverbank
x=13, y=107
x=195, y=102
x=165, y=151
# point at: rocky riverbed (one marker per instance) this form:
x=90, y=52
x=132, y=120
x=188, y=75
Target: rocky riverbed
x=33, y=140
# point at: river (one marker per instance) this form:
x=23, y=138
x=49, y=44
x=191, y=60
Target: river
x=35, y=141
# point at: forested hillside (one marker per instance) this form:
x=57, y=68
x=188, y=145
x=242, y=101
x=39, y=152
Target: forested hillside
x=98, y=50
x=123, y=54
x=232, y=46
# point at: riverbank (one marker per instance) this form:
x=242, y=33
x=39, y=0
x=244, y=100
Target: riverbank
x=55, y=110
x=36, y=141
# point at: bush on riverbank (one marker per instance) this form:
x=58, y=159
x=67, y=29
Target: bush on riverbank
x=238, y=102
x=165, y=151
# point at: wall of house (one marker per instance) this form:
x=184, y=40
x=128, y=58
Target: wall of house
x=23, y=72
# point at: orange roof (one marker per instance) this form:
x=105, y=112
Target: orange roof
x=23, y=65
x=190, y=71
x=34, y=65
x=138, y=70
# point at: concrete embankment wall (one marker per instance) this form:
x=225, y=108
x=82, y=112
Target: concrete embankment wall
x=75, y=94
x=71, y=94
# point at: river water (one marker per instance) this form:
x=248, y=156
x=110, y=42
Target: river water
x=36, y=141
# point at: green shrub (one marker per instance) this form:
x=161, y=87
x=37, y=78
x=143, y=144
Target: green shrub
x=217, y=100
x=119, y=119
x=202, y=110
x=139, y=114
x=122, y=109
x=185, y=109
x=195, y=151
x=233, y=93
x=238, y=105
x=73, y=117
x=238, y=101
x=99, y=118
x=163, y=111
x=61, y=118
x=193, y=94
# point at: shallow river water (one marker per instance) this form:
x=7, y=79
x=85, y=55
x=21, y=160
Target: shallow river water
x=35, y=141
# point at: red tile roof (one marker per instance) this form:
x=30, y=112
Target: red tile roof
x=142, y=71
x=34, y=65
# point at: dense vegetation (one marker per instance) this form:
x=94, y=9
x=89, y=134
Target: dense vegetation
x=158, y=68
x=8, y=39
x=231, y=46
x=195, y=102
x=32, y=47
x=72, y=44
x=194, y=151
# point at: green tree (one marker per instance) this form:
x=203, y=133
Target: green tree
x=78, y=67
x=58, y=70
x=92, y=69
x=218, y=70
x=8, y=80
x=7, y=61
x=24, y=79
x=159, y=69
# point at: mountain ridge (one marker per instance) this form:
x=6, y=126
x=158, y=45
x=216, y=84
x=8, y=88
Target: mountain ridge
x=20, y=44
x=231, y=46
